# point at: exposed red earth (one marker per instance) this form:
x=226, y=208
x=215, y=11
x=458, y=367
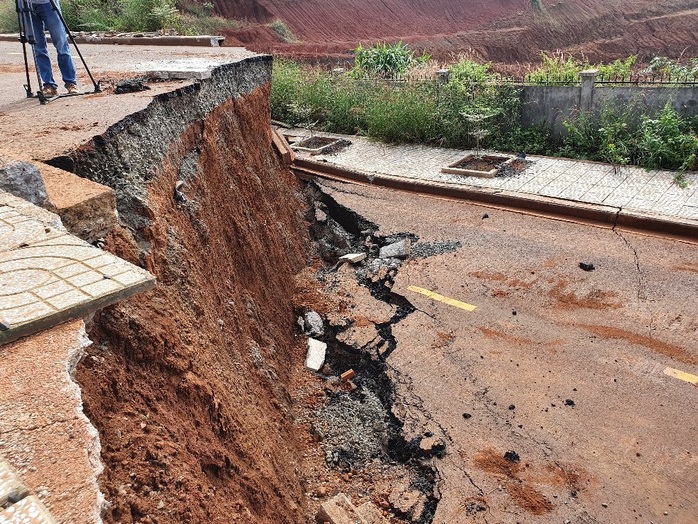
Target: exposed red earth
x=497, y=30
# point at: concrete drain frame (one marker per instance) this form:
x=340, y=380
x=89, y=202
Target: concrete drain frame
x=316, y=145
x=463, y=166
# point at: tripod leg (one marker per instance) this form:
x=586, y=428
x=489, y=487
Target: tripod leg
x=98, y=89
x=23, y=38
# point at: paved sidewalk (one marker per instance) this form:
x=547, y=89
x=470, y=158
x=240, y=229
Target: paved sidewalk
x=627, y=188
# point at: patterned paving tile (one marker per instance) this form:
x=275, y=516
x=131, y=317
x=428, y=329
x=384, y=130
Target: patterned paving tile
x=29, y=510
x=12, y=489
x=48, y=276
x=651, y=191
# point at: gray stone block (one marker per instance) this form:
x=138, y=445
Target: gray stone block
x=313, y=324
x=399, y=249
x=23, y=180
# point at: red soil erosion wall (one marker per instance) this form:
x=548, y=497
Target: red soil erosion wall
x=187, y=383
x=498, y=30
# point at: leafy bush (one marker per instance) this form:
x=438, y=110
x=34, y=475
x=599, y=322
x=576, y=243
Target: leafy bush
x=663, y=66
x=558, y=69
x=401, y=115
x=476, y=108
x=144, y=15
x=287, y=80
x=618, y=68
x=8, y=17
x=667, y=141
x=282, y=30
x=147, y=15
x=385, y=60
x=628, y=135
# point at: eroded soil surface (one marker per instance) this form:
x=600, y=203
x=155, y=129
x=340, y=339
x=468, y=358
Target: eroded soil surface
x=498, y=30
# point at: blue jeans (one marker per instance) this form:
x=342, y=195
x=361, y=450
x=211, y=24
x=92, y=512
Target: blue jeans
x=43, y=15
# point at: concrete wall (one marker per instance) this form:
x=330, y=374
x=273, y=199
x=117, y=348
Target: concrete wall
x=550, y=105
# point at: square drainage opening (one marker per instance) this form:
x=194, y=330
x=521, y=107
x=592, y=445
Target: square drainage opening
x=483, y=166
x=317, y=145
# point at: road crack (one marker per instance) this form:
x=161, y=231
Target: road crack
x=641, y=294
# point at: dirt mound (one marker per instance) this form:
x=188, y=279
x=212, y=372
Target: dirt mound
x=499, y=30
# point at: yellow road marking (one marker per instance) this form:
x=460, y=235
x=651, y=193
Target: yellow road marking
x=446, y=300
x=681, y=375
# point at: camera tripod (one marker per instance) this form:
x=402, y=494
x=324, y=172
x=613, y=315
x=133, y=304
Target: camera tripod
x=28, y=36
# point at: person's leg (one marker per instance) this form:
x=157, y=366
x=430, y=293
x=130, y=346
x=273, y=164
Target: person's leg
x=59, y=37
x=43, y=62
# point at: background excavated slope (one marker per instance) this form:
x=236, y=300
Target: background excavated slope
x=187, y=384
x=499, y=30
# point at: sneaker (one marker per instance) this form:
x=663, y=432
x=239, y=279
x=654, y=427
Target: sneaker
x=72, y=89
x=49, y=91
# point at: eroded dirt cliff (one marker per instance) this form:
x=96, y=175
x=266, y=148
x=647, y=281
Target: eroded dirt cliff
x=187, y=384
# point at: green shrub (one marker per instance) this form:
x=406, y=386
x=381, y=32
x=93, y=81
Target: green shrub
x=385, y=60
x=8, y=17
x=282, y=30
x=663, y=66
x=558, y=69
x=476, y=107
x=285, y=86
x=617, y=69
x=667, y=141
x=147, y=15
x=405, y=114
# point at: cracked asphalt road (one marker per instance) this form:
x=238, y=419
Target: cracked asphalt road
x=562, y=366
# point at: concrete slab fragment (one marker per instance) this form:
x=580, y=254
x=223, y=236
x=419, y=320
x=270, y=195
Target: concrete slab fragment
x=87, y=209
x=47, y=276
x=353, y=258
x=316, y=354
x=339, y=510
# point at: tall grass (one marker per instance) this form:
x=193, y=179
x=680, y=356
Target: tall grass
x=477, y=108
x=425, y=112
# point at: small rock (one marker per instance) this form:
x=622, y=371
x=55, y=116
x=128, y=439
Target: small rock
x=316, y=354
x=512, y=407
x=130, y=86
x=320, y=215
x=177, y=194
x=466, y=416
x=512, y=456
x=313, y=324
x=4, y=324
x=23, y=180
x=604, y=505
x=587, y=266
x=399, y=249
x=485, y=216
x=569, y=402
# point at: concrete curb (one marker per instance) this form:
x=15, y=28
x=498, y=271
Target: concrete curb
x=195, y=41
x=597, y=213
